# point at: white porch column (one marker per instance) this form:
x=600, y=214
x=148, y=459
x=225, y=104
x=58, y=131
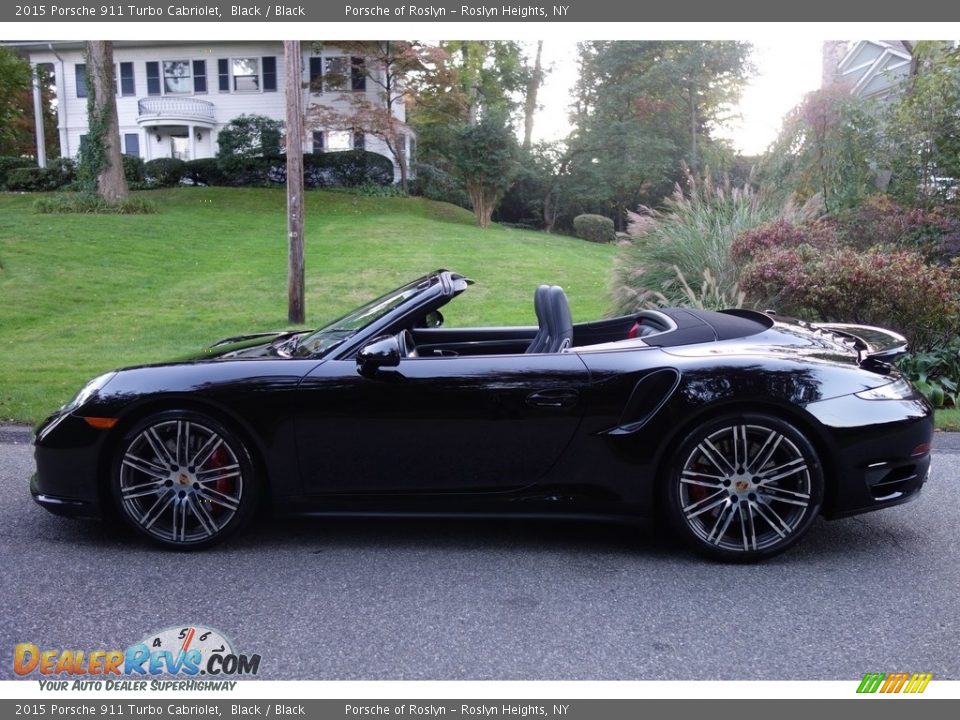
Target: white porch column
x=38, y=119
x=191, y=130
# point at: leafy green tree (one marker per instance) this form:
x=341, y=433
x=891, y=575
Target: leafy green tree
x=642, y=109
x=15, y=79
x=922, y=127
x=486, y=161
x=828, y=147
x=248, y=137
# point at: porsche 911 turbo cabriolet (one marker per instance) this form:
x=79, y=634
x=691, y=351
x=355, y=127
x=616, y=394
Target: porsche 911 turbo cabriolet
x=737, y=428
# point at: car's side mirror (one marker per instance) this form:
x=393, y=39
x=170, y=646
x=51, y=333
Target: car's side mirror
x=381, y=352
x=433, y=319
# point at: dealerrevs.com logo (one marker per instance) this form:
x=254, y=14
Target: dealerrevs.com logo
x=186, y=651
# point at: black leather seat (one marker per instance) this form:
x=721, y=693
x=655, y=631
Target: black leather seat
x=540, y=304
x=559, y=321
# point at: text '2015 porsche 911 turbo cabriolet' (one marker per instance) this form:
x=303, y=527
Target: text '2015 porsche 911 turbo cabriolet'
x=736, y=427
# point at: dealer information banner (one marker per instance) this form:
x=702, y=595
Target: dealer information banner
x=578, y=11
x=500, y=709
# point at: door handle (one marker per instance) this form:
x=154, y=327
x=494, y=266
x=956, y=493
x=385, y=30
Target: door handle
x=557, y=398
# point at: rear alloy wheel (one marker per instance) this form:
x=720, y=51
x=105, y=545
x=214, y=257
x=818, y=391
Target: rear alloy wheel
x=183, y=480
x=744, y=487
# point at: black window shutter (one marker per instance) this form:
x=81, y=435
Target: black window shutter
x=199, y=76
x=316, y=75
x=270, y=74
x=153, y=78
x=127, y=86
x=81, y=70
x=223, y=70
x=358, y=74
x=318, y=141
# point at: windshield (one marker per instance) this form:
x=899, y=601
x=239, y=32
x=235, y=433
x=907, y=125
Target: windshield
x=331, y=335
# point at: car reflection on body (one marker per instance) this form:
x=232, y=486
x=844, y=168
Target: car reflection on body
x=736, y=427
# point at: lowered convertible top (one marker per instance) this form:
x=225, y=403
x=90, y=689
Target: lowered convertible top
x=690, y=326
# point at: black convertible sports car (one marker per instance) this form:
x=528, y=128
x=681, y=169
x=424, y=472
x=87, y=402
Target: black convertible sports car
x=736, y=427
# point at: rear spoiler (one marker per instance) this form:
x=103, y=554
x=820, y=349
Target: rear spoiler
x=876, y=347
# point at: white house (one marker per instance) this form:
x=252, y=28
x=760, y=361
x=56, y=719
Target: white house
x=866, y=68
x=173, y=98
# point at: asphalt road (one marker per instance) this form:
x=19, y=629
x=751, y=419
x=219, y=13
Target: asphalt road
x=415, y=599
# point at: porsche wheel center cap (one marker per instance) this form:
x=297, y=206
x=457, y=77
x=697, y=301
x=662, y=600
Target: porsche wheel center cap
x=741, y=485
x=183, y=479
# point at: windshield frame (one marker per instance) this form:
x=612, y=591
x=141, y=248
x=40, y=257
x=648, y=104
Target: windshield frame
x=378, y=315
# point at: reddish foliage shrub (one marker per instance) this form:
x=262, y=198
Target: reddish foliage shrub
x=781, y=234
x=894, y=289
x=881, y=221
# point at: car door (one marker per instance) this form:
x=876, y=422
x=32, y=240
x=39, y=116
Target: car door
x=438, y=424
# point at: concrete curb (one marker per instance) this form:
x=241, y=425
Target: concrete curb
x=16, y=434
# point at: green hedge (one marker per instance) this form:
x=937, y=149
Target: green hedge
x=595, y=228
x=8, y=164
x=164, y=172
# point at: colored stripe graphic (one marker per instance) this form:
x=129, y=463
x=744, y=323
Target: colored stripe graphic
x=871, y=682
x=918, y=682
x=894, y=682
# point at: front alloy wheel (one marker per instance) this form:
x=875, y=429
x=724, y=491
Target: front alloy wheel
x=744, y=487
x=183, y=480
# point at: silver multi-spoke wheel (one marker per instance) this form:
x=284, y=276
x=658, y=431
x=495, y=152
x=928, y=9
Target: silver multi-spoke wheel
x=747, y=487
x=181, y=481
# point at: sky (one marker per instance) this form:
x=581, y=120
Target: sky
x=786, y=71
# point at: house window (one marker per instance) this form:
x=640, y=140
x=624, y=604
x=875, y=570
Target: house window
x=317, y=142
x=131, y=144
x=335, y=74
x=269, y=74
x=81, y=72
x=316, y=75
x=127, y=85
x=358, y=74
x=176, y=77
x=412, y=151
x=223, y=74
x=153, y=78
x=246, y=74
x=359, y=141
x=339, y=140
x=199, y=76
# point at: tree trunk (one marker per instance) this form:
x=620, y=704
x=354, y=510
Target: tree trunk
x=484, y=201
x=111, y=182
x=471, y=89
x=693, y=128
x=530, y=102
x=296, y=311
x=397, y=147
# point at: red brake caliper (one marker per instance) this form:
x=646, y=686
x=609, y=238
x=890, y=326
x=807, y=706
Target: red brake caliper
x=220, y=459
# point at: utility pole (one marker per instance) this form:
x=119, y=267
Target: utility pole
x=296, y=311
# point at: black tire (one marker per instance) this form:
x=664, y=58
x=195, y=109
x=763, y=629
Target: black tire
x=183, y=480
x=743, y=487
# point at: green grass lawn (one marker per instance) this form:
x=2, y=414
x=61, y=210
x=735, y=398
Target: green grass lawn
x=947, y=419
x=81, y=294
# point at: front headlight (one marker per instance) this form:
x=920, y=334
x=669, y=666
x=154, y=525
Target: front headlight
x=88, y=391
x=897, y=390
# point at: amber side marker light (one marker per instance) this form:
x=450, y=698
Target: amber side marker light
x=101, y=423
